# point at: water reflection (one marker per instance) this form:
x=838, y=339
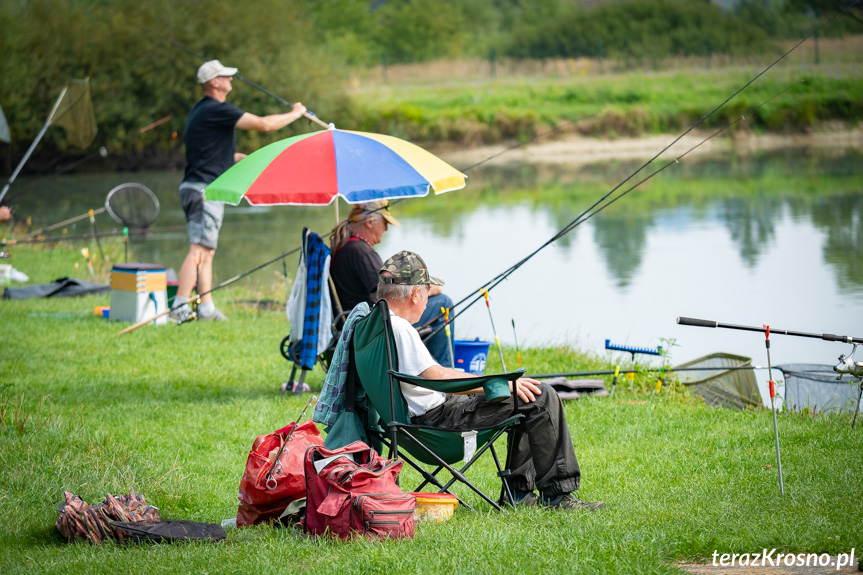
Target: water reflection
x=842, y=221
x=621, y=239
x=751, y=223
x=747, y=238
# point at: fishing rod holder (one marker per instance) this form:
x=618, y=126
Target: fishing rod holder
x=633, y=350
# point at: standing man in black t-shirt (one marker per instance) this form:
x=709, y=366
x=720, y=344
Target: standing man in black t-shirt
x=210, y=150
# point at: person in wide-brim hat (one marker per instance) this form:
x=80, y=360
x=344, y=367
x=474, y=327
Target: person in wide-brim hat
x=355, y=265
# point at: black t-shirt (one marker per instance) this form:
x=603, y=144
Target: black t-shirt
x=354, y=268
x=210, y=139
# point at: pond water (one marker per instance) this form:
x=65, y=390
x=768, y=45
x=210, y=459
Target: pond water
x=767, y=239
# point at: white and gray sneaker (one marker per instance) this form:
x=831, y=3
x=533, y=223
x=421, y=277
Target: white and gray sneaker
x=180, y=313
x=216, y=315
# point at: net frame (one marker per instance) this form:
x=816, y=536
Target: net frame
x=818, y=388
x=133, y=205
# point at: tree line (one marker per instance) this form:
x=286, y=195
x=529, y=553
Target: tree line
x=305, y=49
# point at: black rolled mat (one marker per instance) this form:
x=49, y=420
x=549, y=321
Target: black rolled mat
x=168, y=530
x=63, y=287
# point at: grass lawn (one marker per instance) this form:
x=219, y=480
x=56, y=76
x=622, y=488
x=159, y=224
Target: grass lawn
x=172, y=412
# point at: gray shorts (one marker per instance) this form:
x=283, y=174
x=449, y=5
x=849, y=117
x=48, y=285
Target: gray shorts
x=203, y=217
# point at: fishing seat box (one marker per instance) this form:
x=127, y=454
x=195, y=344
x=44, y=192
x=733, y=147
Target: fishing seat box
x=138, y=292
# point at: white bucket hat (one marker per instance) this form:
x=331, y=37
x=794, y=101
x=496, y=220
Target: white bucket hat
x=213, y=69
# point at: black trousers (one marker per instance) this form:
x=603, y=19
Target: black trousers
x=543, y=457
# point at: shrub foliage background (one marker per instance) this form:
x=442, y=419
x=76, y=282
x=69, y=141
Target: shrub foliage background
x=308, y=49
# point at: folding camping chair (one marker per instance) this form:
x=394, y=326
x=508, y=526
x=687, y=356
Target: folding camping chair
x=313, y=319
x=291, y=350
x=375, y=361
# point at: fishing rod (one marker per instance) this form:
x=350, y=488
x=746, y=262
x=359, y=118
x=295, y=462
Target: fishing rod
x=124, y=232
x=102, y=152
x=225, y=283
x=89, y=214
x=33, y=145
x=645, y=370
x=843, y=366
x=277, y=465
x=515, y=335
x=764, y=329
x=598, y=207
x=308, y=113
x=97, y=235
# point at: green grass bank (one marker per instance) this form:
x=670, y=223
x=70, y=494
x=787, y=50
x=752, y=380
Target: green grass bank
x=791, y=98
x=172, y=412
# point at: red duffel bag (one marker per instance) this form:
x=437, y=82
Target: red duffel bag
x=268, y=486
x=352, y=491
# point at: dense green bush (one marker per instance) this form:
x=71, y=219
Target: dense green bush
x=136, y=77
x=639, y=30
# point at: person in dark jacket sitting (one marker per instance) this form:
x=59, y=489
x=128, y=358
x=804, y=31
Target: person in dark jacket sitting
x=355, y=265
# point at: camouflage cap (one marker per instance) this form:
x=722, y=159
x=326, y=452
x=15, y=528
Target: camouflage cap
x=407, y=268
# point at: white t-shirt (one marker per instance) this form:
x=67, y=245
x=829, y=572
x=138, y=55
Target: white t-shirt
x=414, y=359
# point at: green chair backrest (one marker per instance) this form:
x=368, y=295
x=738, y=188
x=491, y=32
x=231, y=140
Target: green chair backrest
x=374, y=355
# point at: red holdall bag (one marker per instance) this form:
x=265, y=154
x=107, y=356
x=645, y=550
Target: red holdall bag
x=267, y=485
x=352, y=491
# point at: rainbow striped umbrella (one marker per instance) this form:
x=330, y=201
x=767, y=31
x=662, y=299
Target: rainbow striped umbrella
x=315, y=168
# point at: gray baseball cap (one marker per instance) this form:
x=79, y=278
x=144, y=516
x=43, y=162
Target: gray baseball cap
x=213, y=69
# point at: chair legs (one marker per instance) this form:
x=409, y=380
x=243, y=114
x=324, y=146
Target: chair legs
x=458, y=474
x=505, y=490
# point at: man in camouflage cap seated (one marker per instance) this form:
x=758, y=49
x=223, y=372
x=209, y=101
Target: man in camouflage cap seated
x=543, y=457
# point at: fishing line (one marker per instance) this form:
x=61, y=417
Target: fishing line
x=539, y=136
x=559, y=127
x=584, y=216
x=308, y=113
x=598, y=206
x=587, y=214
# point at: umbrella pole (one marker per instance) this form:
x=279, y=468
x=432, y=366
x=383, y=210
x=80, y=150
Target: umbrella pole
x=336, y=206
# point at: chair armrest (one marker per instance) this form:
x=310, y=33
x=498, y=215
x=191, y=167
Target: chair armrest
x=460, y=384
